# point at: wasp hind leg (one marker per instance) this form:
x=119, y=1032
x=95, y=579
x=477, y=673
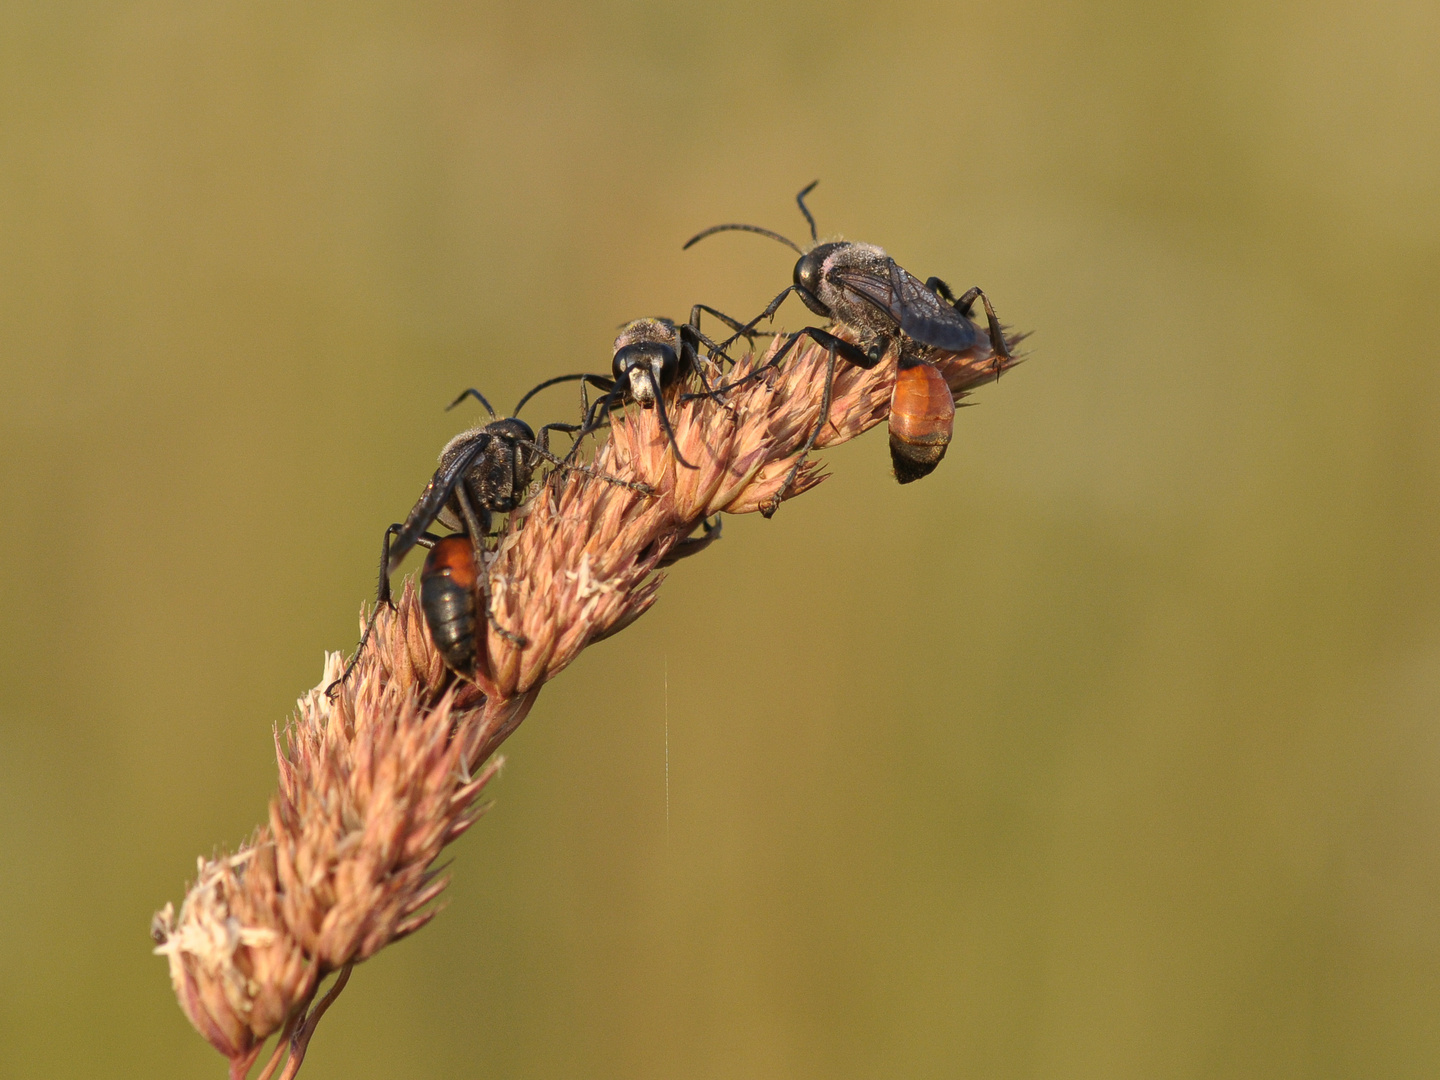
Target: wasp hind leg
x=382, y=599
x=999, y=349
x=838, y=348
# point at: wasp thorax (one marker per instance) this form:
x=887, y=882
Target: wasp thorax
x=645, y=331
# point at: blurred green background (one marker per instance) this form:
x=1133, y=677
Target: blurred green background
x=1108, y=751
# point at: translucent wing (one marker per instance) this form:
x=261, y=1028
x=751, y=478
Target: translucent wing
x=919, y=312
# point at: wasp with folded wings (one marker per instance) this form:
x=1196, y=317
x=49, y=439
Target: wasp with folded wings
x=651, y=356
x=484, y=471
x=864, y=292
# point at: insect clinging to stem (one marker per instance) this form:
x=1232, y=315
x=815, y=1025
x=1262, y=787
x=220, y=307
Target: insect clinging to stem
x=483, y=471
x=650, y=356
x=862, y=290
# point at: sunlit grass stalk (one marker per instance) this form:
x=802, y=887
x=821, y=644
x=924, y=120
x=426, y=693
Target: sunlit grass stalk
x=374, y=784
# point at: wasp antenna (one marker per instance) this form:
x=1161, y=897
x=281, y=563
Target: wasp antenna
x=545, y=386
x=806, y=210
x=743, y=228
x=665, y=420
x=472, y=392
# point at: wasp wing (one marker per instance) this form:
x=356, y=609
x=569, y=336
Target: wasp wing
x=433, y=499
x=921, y=314
x=927, y=318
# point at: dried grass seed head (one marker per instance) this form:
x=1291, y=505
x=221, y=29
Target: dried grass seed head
x=374, y=784
x=238, y=972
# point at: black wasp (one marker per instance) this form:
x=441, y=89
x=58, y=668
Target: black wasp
x=651, y=356
x=484, y=471
x=861, y=289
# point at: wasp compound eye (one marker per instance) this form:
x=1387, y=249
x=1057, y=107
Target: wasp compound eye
x=808, y=276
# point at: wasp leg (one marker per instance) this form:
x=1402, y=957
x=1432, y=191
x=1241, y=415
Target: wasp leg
x=769, y=313
x=478, y=532
x=606, y=404
x=588, y=412
x=998, y=347
x=382, y=598
x=690, y=341
x=741, y=329
x=692, y=545
x=852, y=354
x=838, y=348
x=690, y=353
x=940, y=289
x=542, y=447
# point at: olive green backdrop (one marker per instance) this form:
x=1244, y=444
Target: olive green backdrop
x=1110, y=750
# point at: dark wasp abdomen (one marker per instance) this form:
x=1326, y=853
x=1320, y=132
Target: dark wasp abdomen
x=447, y=596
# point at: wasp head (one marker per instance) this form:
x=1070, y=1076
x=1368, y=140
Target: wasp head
x=511, y=428
x=810, y=276
x=645, y=359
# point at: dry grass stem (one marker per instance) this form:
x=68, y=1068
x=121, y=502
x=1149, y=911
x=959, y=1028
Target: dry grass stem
x=374, y=784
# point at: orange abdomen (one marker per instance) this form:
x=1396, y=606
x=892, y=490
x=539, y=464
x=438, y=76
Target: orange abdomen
x=447, y=596
x=922, y=417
